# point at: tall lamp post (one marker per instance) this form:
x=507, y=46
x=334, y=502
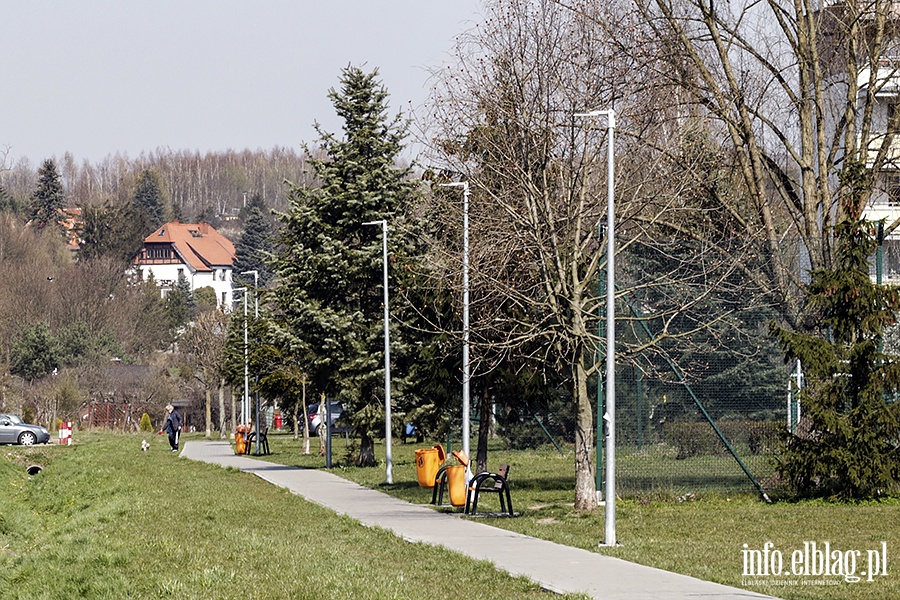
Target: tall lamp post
x=465, y=324
x=388, y=460
x=246, y=398
x=610, y=416
x=255, y=316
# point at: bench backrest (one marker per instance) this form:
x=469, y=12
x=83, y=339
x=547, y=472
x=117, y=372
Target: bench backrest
x=502, y=471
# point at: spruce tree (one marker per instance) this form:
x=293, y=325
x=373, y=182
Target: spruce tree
x=7, y=203
x=330, y=269
x=149, y=207
x=847, y=444
x=251, y=250
x=48, y=198
x=180, y=303
x=111, y=231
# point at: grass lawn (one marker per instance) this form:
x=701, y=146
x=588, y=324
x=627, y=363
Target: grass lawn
x=698, y=534
x=105, y=520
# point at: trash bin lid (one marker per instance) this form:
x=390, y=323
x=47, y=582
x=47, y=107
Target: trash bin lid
x=462, y=457
x=441, y=453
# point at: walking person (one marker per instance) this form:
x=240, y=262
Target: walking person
x=172, y=426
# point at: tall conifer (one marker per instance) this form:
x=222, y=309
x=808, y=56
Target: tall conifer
x=251, y=250
x=48, y=198
x=330, y=270
x=848, y=443
x=148, y=204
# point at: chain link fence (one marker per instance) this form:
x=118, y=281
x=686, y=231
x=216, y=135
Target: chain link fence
x=700, y=409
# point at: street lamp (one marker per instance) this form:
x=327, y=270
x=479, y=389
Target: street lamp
x=255, y=291
x=389, y=463
x=610, y=416
x=255, y=316
x=246, y=398
x=465, y=317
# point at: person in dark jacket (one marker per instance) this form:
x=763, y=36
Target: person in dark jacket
x=172, y=426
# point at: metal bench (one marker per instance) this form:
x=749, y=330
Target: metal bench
x=494, y=483
x=263, y=442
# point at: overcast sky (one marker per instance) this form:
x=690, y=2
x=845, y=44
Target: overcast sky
x=96, y=77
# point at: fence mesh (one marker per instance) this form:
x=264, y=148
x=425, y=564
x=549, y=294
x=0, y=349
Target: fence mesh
x=702, y=409
x=668, y=433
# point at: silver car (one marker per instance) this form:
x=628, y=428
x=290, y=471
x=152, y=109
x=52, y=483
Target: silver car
x=13, y=430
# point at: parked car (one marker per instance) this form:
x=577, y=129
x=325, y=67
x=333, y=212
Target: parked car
x=315, y=419
x=13, y=430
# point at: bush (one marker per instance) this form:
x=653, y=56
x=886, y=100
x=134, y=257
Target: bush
x=692, y=439
x=698, y=438
x=146, y=425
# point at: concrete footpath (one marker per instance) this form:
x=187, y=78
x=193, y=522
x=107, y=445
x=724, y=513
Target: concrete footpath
x=553, y=566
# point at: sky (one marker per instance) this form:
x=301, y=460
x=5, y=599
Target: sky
x=100, y=77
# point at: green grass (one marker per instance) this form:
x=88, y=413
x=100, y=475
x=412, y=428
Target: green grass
x=673, y=527
x=105, y=520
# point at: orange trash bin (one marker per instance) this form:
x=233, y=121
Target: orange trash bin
x=239, y=445
x=456, y=481
x=428, y=462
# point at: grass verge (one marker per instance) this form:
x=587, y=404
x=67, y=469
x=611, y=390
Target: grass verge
x=697, y=534
x=105, y=520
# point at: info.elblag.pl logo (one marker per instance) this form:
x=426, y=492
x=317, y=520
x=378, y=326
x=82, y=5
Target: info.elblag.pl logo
x=815, y=560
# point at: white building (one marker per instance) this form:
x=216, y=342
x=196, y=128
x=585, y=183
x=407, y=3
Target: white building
x=196, y=250
x=882, y=154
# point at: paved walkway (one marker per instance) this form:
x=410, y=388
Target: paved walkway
x=552, y=566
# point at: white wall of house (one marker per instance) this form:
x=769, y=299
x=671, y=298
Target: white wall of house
x=166, y=277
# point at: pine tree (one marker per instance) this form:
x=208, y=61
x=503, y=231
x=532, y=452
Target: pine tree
x=251, y=250
x=48, y=198
x=149, y=206
x=847, y=445
x=331, y=265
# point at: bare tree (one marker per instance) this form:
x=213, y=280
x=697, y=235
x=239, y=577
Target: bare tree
x=503, y=116
x=203, y=345
x=797, y=92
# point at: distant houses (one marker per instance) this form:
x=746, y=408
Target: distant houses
x=197, y=251
x=72, y=221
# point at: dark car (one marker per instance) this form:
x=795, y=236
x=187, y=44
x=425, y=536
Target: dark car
x=13, y=430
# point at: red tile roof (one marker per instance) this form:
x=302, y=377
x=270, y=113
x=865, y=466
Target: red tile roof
x=199, y=244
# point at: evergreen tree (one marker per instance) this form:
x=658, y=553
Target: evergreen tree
x=47, y=199
x=35, y=352
x=251, y=250
x=7, y=203
x=113, y=231
x=149, y=206
x=180, y=303
x=330, y=267
x=847, y=444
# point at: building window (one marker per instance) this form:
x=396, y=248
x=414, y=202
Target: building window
x=893, y=127
x=892, y=188
x=224, y=299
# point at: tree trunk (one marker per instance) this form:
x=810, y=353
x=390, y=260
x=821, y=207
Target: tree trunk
x=222, y=409
x=305, y=421
x=484, y=431
x=296, y=415
x=208, y=412
x=233, y=413
x=585, y=483
x=366, y=456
